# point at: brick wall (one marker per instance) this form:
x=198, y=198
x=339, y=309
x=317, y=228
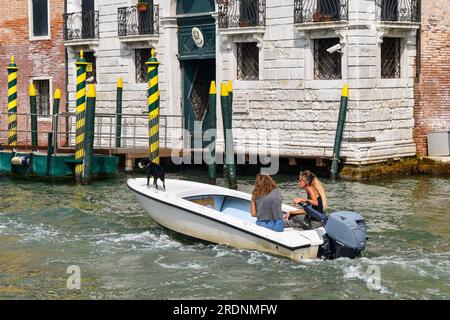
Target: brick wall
x=35, y=58
x=432, y=91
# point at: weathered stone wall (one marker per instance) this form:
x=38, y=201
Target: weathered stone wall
x=304, y=111
x=115, y=58
x=432, y=100
x=34, y=58
x=286, y=103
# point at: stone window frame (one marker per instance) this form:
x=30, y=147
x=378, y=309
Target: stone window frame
x=30, y=22
x=399, y=46
x=317, y=59
x=228, y=44
x=45, y=118
x=135, y=69
x=238, y=60
x=407, y=39
x=310, y=38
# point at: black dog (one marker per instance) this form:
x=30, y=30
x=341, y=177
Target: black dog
x=153, y=170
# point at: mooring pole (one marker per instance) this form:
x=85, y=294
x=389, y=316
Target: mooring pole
x=56, y=103
x=232, y=170
x=119, y=113
x=50, y=151
x=89, y=132
x=12, y=103
x=153, y=107
x=81, y=65
x=228, y=136
x=33, y=115
x=339, y=133
x=213, y=127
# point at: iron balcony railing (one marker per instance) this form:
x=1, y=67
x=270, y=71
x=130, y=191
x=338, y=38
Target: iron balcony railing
x=81, y=25
x=398, y=10
x=242, y=13
x=133, y=22
x=320, y=10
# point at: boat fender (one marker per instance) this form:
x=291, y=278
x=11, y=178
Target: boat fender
x=21, y=161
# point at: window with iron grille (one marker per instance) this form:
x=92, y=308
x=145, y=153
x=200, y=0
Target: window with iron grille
x=42, y=96
x=142, y=55
x=327, y=66
x=247, y=61
x=40, y=17
x=390, y=58
x=91, y=70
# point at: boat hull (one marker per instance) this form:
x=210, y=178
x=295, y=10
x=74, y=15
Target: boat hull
x=202, y=227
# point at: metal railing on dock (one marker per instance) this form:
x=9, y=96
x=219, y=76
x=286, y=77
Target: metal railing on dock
x=134, y=130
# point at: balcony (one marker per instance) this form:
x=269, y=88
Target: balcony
x=135, y=24
x=242, y=21
x=242, y=13
x=398, y=11
x=81, y=28
x=320, y=11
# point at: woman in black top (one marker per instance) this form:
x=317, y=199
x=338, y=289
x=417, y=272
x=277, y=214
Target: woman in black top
x=315, y=197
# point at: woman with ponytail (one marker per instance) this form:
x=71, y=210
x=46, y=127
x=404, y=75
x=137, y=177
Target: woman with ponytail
x=315, y=197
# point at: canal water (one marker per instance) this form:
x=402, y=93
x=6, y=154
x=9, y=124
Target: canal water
x=123, y=254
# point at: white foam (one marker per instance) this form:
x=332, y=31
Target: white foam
x=181, y=265
x=144, y=239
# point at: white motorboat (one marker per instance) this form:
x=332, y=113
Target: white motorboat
x=220, y=215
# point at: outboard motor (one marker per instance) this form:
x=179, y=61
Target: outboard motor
x=345, y=235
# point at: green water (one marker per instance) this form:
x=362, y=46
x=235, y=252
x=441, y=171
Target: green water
x=123, y=254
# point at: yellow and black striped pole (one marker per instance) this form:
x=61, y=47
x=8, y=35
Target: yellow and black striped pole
x=12, y=103
x=153, y=107
x=89, y=135
x=81, y=65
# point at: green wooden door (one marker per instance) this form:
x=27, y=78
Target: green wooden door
x=197, y=60
x=197, y=77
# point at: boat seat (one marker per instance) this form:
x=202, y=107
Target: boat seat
x=238, y=208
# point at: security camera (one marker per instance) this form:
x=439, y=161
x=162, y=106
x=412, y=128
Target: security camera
x=336, y=48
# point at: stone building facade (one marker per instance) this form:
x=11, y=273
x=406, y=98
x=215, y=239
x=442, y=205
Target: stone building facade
x=31, y=31
x=432, y=89
x=286, y=83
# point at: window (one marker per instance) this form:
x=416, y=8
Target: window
x=142, y=55
x=42, y=96
x=248, y=13
x=329, y=9
x=40, y=17
x=327, y=66
x=247, y=61
x=390, y=58
x=389, y=10
x=91, y=69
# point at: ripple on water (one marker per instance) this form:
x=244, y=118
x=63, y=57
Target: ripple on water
x=123, y=254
